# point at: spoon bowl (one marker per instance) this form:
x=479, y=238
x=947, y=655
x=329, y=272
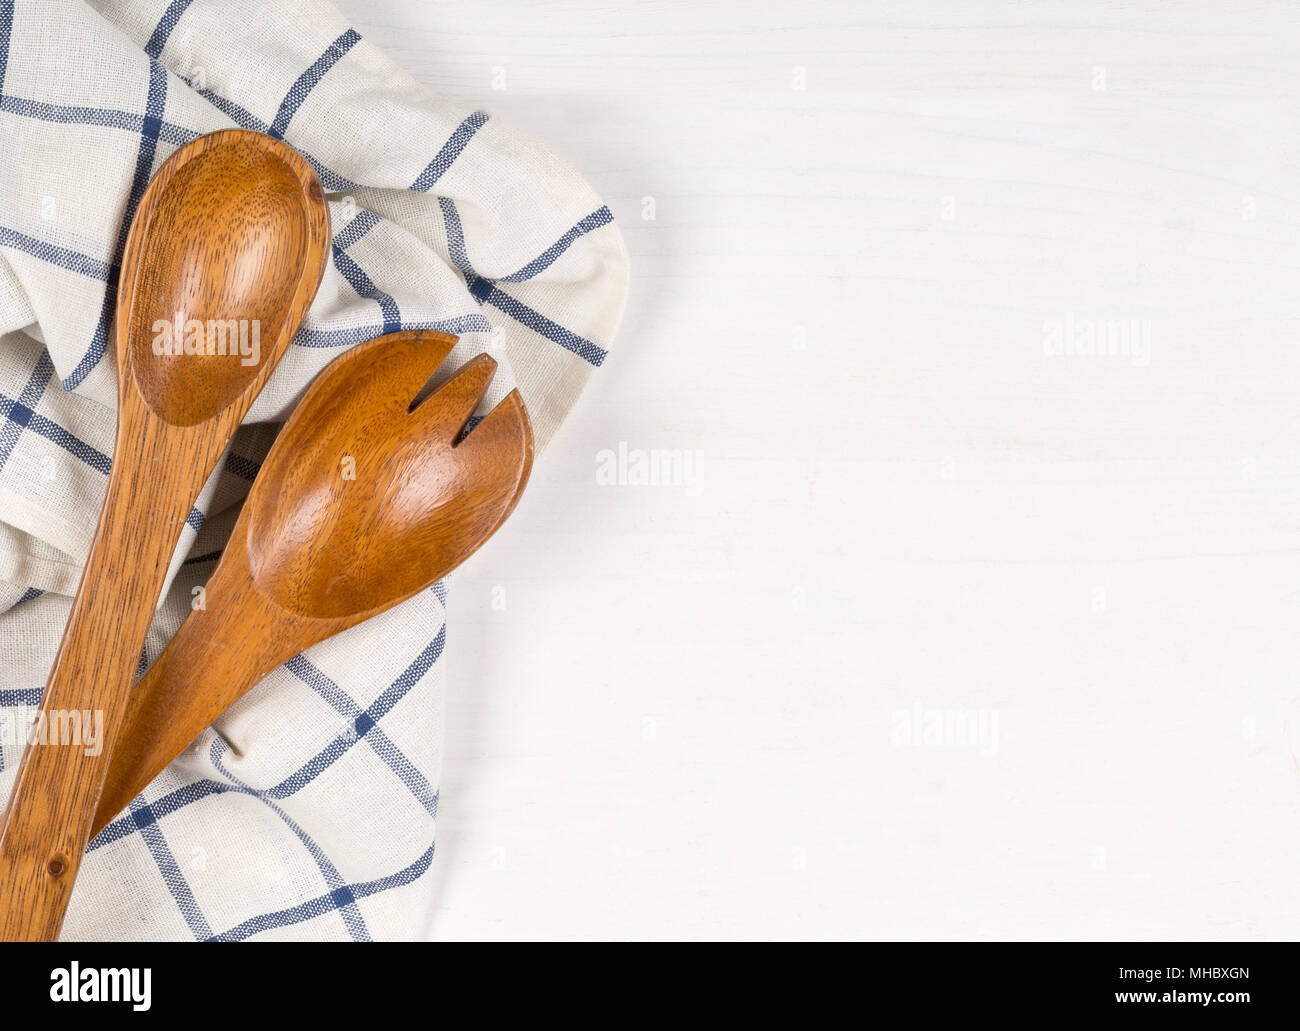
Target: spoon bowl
x=204, y=319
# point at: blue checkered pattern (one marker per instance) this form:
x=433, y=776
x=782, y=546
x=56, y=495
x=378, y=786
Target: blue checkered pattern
x=336, y=735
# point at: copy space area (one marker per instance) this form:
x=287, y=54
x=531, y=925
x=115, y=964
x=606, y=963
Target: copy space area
x=970, y=607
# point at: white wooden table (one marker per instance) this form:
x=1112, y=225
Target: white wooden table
x=962, y=631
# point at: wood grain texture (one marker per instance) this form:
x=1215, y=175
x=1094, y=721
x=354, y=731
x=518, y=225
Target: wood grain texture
x=361, y=503
x=232, y=227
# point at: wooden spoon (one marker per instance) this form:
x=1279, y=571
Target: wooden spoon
x=362, y=502
x=232, y=227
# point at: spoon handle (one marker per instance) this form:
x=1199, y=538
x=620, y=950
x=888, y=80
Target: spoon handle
x=155, y=477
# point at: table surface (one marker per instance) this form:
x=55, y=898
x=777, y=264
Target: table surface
x=979, y=620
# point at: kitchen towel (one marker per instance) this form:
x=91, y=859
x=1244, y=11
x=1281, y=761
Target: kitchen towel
x=309, y=810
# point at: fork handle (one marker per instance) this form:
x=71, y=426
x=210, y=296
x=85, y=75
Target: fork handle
x=219, y=652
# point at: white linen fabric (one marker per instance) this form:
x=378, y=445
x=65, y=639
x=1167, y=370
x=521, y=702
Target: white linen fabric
x=308, y=811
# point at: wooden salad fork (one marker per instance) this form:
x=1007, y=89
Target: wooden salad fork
x=365, y=499
x=230, y=237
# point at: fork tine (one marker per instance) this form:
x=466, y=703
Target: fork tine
x=448, y=408
x=415, y=356
x=505, y=430
x=396, y=363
